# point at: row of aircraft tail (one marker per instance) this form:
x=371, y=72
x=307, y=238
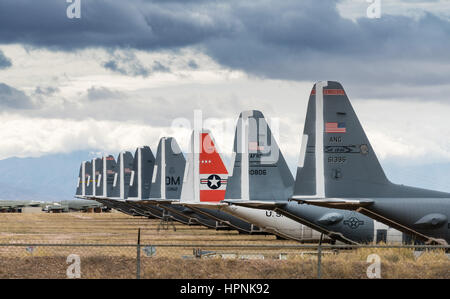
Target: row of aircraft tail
x=340, y=191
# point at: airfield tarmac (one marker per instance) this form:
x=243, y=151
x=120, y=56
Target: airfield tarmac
x=179, y=262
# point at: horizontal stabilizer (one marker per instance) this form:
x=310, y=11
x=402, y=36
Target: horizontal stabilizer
x=337, y=203
x=204, y=205
x=392, y=223
x=264, y=205
x=155, y=201
x=102, y=198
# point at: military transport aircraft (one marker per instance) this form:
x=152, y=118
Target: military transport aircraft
x=166, y=185
x=75, y=206
x=16, y=206
x=190, y=191
x=119, y=180
x=127, y=183
x=341, y=170
x=205, y=183
x=258, y=175
x=85, y=184
x=344, y=226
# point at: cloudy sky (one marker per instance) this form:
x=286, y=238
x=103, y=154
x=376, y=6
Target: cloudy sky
x=119, y=76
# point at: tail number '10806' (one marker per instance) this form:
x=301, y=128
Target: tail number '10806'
x=258, y=172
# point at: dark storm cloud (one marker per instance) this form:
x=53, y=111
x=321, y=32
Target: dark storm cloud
x=104, y=23
x=5, y=62
x=293, y=40
x=13, y=98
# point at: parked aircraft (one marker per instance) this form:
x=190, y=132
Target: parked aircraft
x=16, y=206
x=344, y=226
x=166, y=185
x=205, y=183
x=341, y=170
x=260, y=172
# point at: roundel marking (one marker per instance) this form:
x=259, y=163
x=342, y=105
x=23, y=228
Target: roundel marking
x=214, y=181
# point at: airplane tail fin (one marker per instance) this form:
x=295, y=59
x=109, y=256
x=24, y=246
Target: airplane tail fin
x=80, y=183
x=260, y=171
x=97, y=169
x=109, y=175
x=140, y=181
x=206, y=176
x=88, y=179
x=168, y=170
x=337, y=159
x=122, y=175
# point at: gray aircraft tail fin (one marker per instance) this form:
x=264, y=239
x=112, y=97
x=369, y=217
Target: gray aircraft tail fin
x=97, y=168
x=337, y=159
x=259, y=171
x=108, y=175
x=143, y=165
x=168, y=171
x=89, y=180
x=80, y=183
x=122, y=175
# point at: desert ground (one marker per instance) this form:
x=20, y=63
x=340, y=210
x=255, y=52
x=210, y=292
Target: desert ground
x=166, y=253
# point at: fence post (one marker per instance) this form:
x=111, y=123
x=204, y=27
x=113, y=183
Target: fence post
x=319, y=257
x=138, y=255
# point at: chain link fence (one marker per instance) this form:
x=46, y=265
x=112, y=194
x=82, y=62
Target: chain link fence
x=222, y=261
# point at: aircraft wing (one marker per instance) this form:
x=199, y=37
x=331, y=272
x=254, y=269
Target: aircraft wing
x=428, y=240
x=205, y=205
x=336, y=203
x=359, y=205
x=256, y=204
x=92, y=197
x=155, y=201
